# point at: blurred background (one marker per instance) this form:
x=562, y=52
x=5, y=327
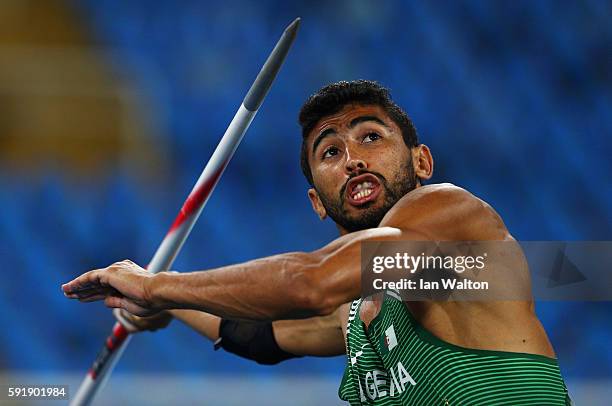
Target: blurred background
x=109, y=111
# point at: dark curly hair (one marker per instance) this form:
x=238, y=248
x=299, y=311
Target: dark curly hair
x=332, y=98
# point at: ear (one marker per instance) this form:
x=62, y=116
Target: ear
x=317, y=205
x=422, y=161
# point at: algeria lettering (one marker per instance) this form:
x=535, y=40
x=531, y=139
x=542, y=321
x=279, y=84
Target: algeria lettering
x=380, y=384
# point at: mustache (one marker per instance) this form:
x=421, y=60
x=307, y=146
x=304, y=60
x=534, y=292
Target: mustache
x=379, y=176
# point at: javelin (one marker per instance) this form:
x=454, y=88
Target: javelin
x=170, y=246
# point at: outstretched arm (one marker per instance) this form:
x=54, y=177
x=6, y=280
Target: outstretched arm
x=316, y=336
x=285, y=286
x=293, y=285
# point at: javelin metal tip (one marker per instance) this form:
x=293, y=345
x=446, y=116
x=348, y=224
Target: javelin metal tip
x=294, y=24
x=292, y=28
x=268, y=72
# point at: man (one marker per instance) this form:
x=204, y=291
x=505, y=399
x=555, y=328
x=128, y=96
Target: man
x=361, y=156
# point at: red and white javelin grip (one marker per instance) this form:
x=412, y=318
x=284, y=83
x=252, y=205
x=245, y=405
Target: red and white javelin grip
x=179, y=231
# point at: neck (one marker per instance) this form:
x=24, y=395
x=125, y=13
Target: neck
x=341, y=230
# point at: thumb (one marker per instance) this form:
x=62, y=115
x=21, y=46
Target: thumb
x=121, y=302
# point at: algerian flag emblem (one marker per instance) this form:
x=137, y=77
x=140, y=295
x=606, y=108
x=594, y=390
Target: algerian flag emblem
x=389, y=340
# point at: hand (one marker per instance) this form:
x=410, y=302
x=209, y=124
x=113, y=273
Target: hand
x=122, y=285
x=136, y=324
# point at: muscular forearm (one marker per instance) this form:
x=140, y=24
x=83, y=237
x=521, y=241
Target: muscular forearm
x=204, y=323
x=318, y=336
x=265, y=289
x=285, y=286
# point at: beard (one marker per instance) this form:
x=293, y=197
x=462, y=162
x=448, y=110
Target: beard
x=370, y=216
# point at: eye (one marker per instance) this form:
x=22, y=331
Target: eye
x=330, y=151
x=370, y=137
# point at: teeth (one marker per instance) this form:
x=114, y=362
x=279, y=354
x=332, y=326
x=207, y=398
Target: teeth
x=362, y=190
x=363, y=185
x=362, y=194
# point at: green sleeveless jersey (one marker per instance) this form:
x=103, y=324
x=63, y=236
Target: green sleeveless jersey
x=397, y=362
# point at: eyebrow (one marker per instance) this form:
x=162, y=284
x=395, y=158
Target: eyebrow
x=362, y=119
x=354, y=122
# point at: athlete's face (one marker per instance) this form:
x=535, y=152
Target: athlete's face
x=360, y=166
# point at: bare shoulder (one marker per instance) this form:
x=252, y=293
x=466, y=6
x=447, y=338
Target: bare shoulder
x=446, y=212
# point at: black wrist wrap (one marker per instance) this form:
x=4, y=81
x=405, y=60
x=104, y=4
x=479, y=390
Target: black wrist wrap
x=251, y=340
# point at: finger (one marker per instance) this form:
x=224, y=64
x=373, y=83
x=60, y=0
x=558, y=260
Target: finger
x=93, y=298
x=88, y=280
x=139, y=310
x=86, y=294
x=84, y=286
x=136, y=309
x=79, y=284
x=81, y=296
x=131, y=307
x=121, y=302
x=114, y=302
x=84, y=291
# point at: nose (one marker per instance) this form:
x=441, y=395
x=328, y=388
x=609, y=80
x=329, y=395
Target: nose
x=355, y=164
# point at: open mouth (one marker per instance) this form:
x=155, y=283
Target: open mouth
x=362, y=189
